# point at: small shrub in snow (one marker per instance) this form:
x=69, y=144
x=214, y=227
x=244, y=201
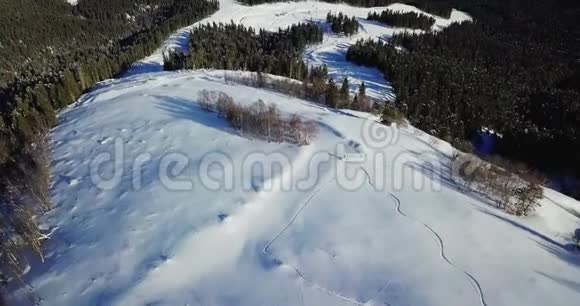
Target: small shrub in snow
x=390, y=114
x=526, y=199
x=460, y=144
x=206, y=100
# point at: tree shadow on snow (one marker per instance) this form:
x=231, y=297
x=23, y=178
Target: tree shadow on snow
x=569, y=254
x=181, y=108
x=566, y=252
x=544, y=241
x=436, y=166
x=574, y=285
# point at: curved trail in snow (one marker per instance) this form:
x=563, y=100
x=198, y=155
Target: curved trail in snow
x=265, y=250
x=474, y=282
x=300, y=274
x=298, y=271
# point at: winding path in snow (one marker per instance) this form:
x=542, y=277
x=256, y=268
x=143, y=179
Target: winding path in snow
x=300, y=274
x=266, y=250
x=474, y=282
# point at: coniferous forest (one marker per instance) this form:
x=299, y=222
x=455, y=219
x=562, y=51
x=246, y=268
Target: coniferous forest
x=517, y=74
x=235, y=47
x=407, y=20
x=342, y=24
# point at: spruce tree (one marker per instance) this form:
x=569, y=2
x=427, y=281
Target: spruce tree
x=362, y=103
x=344, y=90
x=331, y=94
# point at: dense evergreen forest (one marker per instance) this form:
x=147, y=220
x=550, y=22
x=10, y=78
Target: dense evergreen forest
x=51, y=52
x=235, y=47
x=342, y=24
x=514, y=70
x=407, y=20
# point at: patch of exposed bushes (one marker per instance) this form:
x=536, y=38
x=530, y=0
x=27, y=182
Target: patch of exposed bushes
x=515, y=191
x=390, y=114
x=259, y=120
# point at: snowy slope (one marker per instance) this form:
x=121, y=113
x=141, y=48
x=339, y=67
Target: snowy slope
x=138, y=241
x=145, y=216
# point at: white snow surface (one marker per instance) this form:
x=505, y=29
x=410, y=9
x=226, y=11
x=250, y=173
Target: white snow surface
x=398, y=232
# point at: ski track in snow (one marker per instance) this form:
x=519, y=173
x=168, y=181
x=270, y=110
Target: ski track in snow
x=298, y=271
x=474, y=282
x=301, y=273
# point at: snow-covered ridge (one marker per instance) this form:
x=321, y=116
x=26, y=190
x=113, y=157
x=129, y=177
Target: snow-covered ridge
x=301, y=235
x=143, y=218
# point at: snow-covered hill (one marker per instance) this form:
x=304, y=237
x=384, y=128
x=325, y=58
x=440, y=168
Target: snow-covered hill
x=157, y=202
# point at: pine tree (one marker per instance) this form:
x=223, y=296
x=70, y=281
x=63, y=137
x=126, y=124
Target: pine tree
x=355, y=102
x=331, y=94
x=362, y=103
x=344, y=90
x=362, y=90
x=71, y=86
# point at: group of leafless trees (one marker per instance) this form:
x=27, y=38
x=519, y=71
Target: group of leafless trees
x=515, y=190
x=259, y=120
